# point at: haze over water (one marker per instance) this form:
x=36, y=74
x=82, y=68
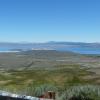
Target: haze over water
x=81, y=50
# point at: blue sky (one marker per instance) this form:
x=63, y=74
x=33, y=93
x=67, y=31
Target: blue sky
x=50, y=20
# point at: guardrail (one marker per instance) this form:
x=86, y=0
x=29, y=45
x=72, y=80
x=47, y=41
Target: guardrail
x=9, y=96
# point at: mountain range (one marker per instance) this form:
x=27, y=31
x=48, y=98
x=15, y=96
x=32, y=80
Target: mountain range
x=78, y=47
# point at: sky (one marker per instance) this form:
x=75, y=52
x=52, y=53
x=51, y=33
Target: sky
x=49, y=20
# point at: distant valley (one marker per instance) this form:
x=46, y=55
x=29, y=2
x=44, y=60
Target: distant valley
x=20, y=69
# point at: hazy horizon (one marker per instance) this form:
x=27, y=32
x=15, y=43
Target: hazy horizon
x=23, y=42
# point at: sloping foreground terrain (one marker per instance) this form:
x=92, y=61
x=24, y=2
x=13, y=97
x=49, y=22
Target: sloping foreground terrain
x=37, y=67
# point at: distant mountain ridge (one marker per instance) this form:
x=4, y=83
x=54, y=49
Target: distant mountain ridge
x=45, y=43
x=79, y=47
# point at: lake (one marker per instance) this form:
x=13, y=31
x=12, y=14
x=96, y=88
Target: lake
x=81, y=50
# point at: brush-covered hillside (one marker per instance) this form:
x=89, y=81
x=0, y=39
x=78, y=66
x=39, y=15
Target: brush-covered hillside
x=37, y=67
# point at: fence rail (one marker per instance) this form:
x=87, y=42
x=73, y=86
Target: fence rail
x=9, y=96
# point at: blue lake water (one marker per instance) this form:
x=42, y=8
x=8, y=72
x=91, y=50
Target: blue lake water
x=4, y=49
x=81, y=50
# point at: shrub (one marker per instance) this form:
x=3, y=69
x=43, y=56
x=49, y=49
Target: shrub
x=82, y=93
